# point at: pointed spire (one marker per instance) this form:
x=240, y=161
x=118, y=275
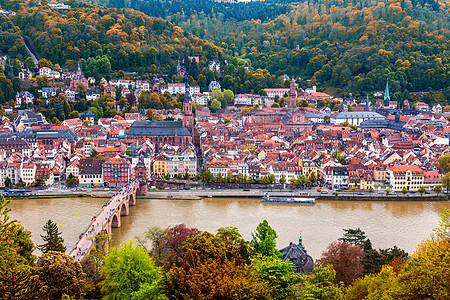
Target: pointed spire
x=367, y=102
x=387, y=97
x=187, y=94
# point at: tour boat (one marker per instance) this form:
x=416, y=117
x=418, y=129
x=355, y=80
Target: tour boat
x=284, y=199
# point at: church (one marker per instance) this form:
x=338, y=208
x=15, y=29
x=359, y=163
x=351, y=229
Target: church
x=178, y=132
x=289, y=117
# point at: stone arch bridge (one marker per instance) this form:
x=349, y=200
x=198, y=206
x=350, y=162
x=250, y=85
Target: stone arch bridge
x=109, y=217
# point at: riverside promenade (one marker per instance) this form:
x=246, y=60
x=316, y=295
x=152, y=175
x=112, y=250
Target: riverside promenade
x=106, y=219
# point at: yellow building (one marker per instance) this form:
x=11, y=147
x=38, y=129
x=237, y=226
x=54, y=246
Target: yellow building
x=308, y=167
x=159, y=166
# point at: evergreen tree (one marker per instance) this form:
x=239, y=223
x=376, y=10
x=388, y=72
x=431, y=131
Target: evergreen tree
x=52, y=238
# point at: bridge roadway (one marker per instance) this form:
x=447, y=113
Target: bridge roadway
x=106, y=219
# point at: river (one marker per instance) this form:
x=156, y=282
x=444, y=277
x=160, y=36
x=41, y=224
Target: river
x=387, y=224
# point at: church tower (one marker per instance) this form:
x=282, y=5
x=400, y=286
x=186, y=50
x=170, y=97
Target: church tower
x=387, y=97
x=79, y=70
x=292, y=95
x=188, y=118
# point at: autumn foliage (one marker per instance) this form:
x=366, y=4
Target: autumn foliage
x=345, y=259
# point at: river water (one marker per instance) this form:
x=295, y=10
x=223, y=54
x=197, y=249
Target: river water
x=387, y=224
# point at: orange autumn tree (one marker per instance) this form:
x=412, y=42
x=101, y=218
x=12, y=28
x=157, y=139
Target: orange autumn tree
x=214, y=267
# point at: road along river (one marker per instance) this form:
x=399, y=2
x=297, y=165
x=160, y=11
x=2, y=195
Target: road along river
x=387, y=224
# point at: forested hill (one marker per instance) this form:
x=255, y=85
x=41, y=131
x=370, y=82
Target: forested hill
x=131, y=40
x=344, y=45
x=231, y=10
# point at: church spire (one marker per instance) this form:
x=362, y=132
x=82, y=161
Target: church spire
x=187, y=94
x=367, y=102
x=292, y=95
x=188, y=118
x=387, y=97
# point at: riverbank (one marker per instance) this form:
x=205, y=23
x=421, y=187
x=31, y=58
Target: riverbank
x=258, y=194
x=249, y=194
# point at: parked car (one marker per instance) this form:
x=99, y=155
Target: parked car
x=361, y=193
x=324, y=192
x=246, y=190
x=427, y=192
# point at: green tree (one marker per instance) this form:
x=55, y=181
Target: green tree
x=29, y=63
x=444, y=162
x=18, y=278
x=263, y=240
x=374, y=286
x=61, y=274
x=149, y=114
x=94, y=153
x=313, y=178
x=52, y=238
x=282, y=179
x=443, y=230
x=354, y=236
x=130, y=273
x=74, y=114
x=167, y=176
x=207, y=176
x=215, y=105
x=404, y=190
x=71, y=181
x=421, y=190
x=319, y=285
x=186, y=176
x=437, y=189
x=445, y=181
x=45, y=63
x=278, y=275
x=228, y=96
x=8, y=182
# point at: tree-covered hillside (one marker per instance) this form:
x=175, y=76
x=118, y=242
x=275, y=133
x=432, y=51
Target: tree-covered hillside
x=131, y=40
x=343, y=46
x=231, y=10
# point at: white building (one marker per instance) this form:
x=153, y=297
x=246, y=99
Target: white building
x=214, y=85
x=24, y=98
x=45, y=71
x=47, y=92
x=73, y=169
x=92, y=94
x=244, y=99
x=355, y=118
x=194, y=90
x=142, y=85
x=120, y=82
x=272, y=93
x=202, y=99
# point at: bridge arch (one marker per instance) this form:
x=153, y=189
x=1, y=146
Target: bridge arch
x=132, y=199
x=124, y=210
x=115, y=221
